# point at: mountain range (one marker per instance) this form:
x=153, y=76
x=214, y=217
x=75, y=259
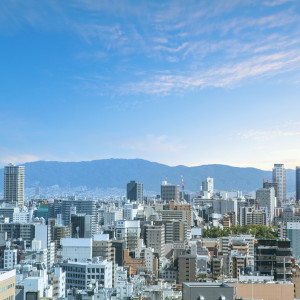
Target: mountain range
x=116, y=173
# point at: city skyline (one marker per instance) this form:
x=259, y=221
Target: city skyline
x=204, y=83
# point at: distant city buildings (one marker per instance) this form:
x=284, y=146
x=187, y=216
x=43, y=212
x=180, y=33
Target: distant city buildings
x=75, y=248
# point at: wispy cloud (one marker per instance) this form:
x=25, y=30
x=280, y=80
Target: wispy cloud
x=152, y=143
x=223, y=76
x=277, y=2
x=268, y=134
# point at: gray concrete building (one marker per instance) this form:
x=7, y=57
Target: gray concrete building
x=170, y=192
x=155, y=238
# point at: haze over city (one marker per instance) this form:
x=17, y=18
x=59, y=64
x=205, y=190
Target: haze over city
x=190, y=83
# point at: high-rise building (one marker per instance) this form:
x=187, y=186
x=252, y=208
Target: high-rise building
x=187, y=268
x=208, y=185
x=279, y=177
x=298, y=184
x=170, y=192
x=268, y=185
x=14, y=184
x=129, y=231
x=135, y=191
x=266, y=198
x=155, y=238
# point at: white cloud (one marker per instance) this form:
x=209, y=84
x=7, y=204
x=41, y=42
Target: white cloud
x=223, y=76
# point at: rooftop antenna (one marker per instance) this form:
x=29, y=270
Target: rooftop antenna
x=182, y=182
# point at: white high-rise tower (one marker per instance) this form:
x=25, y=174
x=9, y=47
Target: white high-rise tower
x=208, y=185
x=279, y=177
x=14, y=184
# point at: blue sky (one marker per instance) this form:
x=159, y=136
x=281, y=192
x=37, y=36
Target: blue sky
x=178, y=82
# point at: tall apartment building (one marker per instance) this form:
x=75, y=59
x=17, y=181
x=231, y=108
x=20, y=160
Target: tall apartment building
x=279, y=177
x=129, y=231
x=155, y=238
x=297, y=184
x=266, y=198
x=135, y=191
x=187, y=268
x=10, y=258
x=170, y=192
x=102, y=247
x=208, y=186
x=14, y=184
x=176, y=231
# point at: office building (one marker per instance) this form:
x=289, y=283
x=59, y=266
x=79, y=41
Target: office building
x=14, y=184
x=155, y=238
x=279, y=177
x=8, y=211
x=274, y=257
x=82, y=226
x=81, y=274
x=170, y=192
x=16, y=230
x=135, y=191
x=119, y=246
x=72, y=206
x=297, y=184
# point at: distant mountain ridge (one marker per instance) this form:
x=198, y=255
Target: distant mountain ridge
x=116, y=173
